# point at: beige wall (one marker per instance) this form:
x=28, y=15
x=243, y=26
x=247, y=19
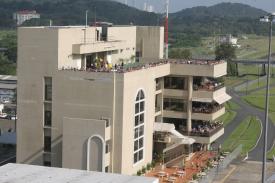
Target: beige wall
x=76, y=132
x=37, y=57
x=150, y=41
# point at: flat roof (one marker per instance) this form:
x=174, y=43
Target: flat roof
x=21, y=173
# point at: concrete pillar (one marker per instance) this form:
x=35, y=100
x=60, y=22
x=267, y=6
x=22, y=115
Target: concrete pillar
x=83, y=62
x=189, y=103
x=161, y=97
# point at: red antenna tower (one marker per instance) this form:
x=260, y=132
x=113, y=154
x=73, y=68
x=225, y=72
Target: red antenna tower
x=166, y=29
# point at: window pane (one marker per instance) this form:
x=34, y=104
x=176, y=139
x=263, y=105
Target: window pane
x=48, y=118
x=135, y=157
x=140, y=143
x=136, y=145
x=141, y=118
x=136, y=120
x=136, y=133
x=141, y=131
x=141, y=106
x=137, y=108
x=141, y=95
x=140, y=155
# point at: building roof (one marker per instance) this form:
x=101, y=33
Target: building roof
x=26, y=12
x=21, y=173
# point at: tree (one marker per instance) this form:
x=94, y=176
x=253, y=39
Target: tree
x=227, y=52
x=6, y=66
x=180, y=54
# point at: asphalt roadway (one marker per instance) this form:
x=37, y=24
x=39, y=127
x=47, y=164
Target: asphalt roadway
x=244, y=111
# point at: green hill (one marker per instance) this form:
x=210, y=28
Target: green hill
x=72, y=12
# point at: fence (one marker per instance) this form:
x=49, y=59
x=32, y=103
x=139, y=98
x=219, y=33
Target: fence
x=214, y=172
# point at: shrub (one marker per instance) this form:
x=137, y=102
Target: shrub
x=139, y=173
x=195, y=176
x=143, y=170
x=148, y=166
x=153, y=164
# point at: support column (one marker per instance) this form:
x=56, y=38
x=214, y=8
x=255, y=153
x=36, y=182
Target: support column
x=161, y=97
x=83, y=62
x=189, y=103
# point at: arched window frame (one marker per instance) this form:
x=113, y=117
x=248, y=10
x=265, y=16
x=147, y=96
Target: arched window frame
x=139, y=127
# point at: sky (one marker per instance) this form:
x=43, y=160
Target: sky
x=176, y=5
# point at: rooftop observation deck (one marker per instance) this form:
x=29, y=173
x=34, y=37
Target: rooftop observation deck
x=210, y=68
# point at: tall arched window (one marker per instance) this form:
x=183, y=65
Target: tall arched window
x=139, y=127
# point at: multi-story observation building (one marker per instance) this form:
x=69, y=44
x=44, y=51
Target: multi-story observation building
x=104, y=99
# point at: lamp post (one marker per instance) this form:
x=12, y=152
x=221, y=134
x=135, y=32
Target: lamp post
x=269, y=19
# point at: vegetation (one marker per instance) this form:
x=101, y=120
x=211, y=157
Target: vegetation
x=180, y=53
x=6, y=66
x=271, y=153
x=227, y=52
x=232, y=105
x=247, y=134
x=228, y=117
x=9, y=57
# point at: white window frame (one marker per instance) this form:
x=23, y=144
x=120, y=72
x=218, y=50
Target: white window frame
x=138, y=128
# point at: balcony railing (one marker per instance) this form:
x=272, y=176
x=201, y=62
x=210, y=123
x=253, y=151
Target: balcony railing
x=208, y=87
x=204, y=133
x=207, y=109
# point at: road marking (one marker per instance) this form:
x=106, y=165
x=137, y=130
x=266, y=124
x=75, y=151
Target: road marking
x=230, y=172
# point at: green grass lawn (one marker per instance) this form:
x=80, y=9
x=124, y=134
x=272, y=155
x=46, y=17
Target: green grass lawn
x=232, y=105
x=256, y=85
x=247, y=134
x=259, y=101
x=228, y=117
x=262, y=92
x=230, y=114
x=255, y=47
x=234, y=81
x=271, y=153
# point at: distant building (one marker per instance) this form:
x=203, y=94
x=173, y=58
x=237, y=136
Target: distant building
x=18, y=173
x=21, y=16
x=148, y=7
x=229, y=39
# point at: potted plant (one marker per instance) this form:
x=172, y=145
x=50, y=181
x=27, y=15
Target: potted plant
x=139, y=173
x=143, y=170
x=153, y=164
x=148, y=167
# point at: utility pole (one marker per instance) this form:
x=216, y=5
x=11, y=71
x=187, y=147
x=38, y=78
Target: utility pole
x=269, y=19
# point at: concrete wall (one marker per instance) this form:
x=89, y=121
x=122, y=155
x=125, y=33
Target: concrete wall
x=76, y=133
x=37, y=57
x=150, y=41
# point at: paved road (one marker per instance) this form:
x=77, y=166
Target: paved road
x=244, y=111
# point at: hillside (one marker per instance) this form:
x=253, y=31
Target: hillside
x=72, y=12
x=222, y=18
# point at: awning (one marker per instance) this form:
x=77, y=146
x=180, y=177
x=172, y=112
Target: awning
x=221, y=99
x=163, y=127
x=207, y=100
